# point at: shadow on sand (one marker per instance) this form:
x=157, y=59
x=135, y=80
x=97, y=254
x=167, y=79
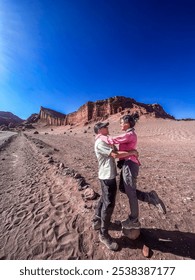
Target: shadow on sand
x=174, y=242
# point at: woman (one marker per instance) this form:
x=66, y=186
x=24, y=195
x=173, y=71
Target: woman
x=129, y=173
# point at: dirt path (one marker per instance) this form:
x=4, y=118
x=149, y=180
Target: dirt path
x=39, y=217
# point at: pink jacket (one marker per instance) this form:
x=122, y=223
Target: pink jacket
x=104, y=138
x=126, y=141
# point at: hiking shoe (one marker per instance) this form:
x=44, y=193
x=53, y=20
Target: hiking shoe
x=128, y=224
x=108, y=241
x=96, y=225
x=156, y=201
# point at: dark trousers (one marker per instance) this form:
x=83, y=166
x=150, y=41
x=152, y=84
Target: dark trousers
x=106, y=203
x=129, y=174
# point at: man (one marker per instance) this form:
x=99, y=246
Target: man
x=106, y=155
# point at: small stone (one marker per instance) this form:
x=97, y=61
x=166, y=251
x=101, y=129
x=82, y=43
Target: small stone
x=50, y=160
x=61, y=166
x=89, y=194
x=146, y=251
x=77, y=176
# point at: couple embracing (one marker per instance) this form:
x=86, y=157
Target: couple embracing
x=106, y=153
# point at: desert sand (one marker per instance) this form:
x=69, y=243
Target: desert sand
x=44, y=214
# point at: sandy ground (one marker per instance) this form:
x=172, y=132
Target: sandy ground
x=43, y=214
x=5, y=136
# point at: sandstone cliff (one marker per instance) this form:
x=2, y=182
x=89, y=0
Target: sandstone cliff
x=52, y=117
x=101, y=110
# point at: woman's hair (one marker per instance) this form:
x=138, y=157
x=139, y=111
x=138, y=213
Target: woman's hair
x=131, y=119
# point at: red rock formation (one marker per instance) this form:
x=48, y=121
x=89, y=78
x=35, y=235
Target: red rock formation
x=52, y=117
x=101, y=110
x=32, y=119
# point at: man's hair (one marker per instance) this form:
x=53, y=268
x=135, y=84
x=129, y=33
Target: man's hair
x=131, y=119
x=100, y=125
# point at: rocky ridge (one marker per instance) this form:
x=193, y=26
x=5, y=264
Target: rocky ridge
x=87, y=113
x=101, y=110
x=9, y=120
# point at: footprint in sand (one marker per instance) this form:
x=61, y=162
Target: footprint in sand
x=38, y=250
x=49, y=234
x=22, y=213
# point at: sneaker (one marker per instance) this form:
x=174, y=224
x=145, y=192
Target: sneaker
x=128, y=224
x=156, y=201
x=108, y=241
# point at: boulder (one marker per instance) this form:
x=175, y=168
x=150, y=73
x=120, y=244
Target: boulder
x=131, y=233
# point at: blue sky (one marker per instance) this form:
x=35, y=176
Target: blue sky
x=60, y=54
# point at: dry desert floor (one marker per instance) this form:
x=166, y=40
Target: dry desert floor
x=46, y=209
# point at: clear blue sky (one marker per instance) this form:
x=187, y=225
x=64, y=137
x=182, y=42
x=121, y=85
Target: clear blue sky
x=60, y=54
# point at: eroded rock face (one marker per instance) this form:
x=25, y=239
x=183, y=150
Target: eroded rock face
x=101, y=110
x=52, y=117
x=32, y=119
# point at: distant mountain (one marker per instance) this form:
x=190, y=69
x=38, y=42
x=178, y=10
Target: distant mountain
x=101, y=110
x=7, y=118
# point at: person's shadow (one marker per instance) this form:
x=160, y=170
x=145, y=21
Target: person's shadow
x=174, y=242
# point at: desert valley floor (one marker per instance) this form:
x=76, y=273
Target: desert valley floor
x=44, y=214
